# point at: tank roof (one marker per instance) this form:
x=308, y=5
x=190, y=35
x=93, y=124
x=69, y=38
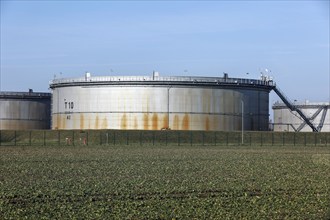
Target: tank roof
x=305, y=104
x=161, y=80
x=22, y=95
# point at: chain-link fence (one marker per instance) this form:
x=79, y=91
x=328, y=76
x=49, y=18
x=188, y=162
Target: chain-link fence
x=133, y=137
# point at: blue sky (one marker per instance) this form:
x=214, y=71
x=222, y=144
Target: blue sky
x=40, y=39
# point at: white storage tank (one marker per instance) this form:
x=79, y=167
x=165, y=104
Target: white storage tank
x=156, y=102
x=24, y=110
x=287, y=120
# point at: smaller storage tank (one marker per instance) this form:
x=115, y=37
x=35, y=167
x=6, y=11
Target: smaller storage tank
x=287, y=120
x=24, y=110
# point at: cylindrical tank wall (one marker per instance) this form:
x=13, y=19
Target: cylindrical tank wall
x=287, y=120
x=151, y=107
x=24, y=113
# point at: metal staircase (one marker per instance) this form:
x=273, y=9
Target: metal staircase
x=319, y=127
x=311, y=118
x=292, y=107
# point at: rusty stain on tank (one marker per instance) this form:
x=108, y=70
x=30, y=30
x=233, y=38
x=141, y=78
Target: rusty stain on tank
x=136, y=126
x=185, y=122
x=97, y=122
x=104, y=123
x=207, y=124
x=176, y=122
x=82, y=120
x=165, y=122
x=154, y=121
x=123, y=123
x=145, y=121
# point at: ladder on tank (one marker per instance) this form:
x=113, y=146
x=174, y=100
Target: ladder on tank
x=292, y=107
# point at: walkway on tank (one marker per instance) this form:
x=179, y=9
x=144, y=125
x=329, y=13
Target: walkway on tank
x=158, y=80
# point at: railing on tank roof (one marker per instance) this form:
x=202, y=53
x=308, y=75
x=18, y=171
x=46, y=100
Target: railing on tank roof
x=25, y=94
x=193, y=79
x=301, y=104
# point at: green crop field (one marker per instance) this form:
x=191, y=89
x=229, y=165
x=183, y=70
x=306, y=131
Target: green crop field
x=164, y=182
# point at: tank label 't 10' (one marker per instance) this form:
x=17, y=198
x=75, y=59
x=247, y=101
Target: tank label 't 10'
x=68, y=105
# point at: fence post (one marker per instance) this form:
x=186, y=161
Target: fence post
x=227, y=137
x=87, y=138
x=239, y=139
x=315, y=139
x=166, y=137
x=203, y=137
x=153, y=138
x=215, y=138
x=30, y=135
x=15, y=137
x=44, y=137
x=326, y=140
x=250, y=139
x=114, y=137
x=73, y=138
x=261, y=139
x=58, y=138
x=190, y=138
